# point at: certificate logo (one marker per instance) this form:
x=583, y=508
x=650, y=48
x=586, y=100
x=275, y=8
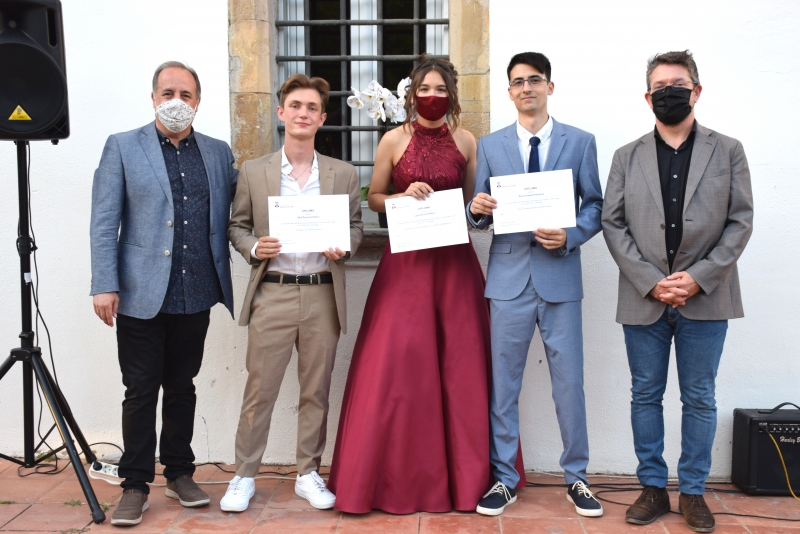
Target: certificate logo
x=276, y=204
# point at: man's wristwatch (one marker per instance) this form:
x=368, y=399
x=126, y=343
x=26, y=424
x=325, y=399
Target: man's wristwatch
x=344, y=258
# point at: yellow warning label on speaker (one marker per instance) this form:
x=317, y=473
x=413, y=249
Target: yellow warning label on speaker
x=19, y=114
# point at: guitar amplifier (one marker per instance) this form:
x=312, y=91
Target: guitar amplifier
x=757, y=468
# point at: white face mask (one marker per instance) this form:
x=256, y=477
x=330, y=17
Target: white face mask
x=176, y=115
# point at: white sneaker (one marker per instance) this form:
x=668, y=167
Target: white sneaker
x=240, y=490
x=312, y=488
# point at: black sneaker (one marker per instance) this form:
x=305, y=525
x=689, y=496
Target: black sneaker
x=585, y=503
x=496, y=499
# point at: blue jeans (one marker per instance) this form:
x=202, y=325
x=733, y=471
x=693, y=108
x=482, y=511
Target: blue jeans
x=698, y=347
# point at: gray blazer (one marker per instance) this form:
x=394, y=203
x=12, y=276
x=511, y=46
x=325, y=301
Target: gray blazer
x=513, y=259
x=133, y=217
x=717, y=223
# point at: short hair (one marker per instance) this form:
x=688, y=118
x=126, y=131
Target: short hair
x=179, y=65
x=449, y=73
x=301, y=81
x=534, y=59
x=683, y=58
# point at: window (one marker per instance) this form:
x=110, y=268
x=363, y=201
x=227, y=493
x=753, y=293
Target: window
x=350, y=43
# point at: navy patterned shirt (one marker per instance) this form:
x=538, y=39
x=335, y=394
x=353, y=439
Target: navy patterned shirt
x=193, y=281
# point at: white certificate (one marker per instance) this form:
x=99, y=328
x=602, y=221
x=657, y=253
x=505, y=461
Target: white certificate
x=310, y=224
x=437, y=221
x=526, y=202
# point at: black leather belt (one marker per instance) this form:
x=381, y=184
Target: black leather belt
x=299, y=279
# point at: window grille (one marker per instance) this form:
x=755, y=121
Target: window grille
x=350, y=43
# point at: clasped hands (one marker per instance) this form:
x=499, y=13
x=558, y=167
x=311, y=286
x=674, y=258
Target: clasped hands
x=269, y=247
x=551, y=239
x=675, y=289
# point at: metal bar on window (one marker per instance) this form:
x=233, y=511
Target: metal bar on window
x=375, y=22
x=307, y=36
x=416, y=28
x=282, y=128
x=345, y=113
x=378, y=57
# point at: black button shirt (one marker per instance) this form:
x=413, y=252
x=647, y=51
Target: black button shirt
x=673, y=169
x=193, y=282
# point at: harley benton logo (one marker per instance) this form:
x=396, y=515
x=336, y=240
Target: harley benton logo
x=784, y=439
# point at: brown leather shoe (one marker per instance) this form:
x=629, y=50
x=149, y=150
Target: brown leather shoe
x=652, y=503
x=187, y=492
x=129, y=510
x=696, y=513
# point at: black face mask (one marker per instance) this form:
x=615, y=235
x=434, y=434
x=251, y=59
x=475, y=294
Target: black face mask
x=671, y=105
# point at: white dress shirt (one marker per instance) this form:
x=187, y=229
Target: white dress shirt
x=525, y=143
x=301, y=263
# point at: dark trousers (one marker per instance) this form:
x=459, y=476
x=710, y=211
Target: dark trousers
x=165, y=351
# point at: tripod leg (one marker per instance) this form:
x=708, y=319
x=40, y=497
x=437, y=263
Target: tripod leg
x=70, y=419
x=98, y=516
x=8, y=364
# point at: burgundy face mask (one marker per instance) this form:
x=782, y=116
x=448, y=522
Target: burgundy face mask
x=432, y=108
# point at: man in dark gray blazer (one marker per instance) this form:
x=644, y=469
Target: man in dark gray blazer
x=161, y=202
x=678, y=213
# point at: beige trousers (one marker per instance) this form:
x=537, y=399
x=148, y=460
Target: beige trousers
x=281, y=317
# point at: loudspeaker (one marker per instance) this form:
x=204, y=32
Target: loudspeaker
x=33, y=78
x=756, y=466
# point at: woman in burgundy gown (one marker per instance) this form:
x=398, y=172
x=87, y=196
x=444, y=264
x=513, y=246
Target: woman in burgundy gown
x=414, y=427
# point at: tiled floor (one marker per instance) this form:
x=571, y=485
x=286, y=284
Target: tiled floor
x=41, y=503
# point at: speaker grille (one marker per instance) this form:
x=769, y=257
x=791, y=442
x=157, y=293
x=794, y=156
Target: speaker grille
x=32, y=80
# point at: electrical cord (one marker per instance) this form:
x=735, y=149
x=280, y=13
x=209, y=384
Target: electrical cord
x=622, y=487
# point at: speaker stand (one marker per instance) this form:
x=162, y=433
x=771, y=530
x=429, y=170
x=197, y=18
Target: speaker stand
x=32, y=364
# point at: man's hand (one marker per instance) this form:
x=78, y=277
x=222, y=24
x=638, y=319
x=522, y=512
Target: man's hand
x=268, y=247
x=482, y=204
x=334, y=254
x=105, y=306
x=551, y=239
x=675, y=289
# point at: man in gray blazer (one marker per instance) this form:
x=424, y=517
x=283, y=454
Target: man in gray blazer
x=535, y=278
x=678, y=213
x=161, y=202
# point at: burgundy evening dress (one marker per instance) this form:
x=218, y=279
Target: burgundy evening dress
x=414, y=427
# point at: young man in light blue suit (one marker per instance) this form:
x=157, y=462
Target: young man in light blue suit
x=535, y=278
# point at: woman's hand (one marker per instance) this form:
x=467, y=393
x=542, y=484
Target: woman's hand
x=419, y=190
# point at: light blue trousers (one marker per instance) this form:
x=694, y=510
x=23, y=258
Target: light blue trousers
x=561, y=328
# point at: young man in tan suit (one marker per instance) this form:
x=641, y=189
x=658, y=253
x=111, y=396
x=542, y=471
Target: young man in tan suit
x=292, y=299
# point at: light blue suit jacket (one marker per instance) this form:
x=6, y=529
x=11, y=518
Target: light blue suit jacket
x=513, y=258
x=133, y=219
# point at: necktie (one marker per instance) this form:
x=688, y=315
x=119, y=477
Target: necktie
x=533, y=160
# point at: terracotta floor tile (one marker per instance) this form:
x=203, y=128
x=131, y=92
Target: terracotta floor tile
x=613, y=521
x=285, y=497
x=775, y=529
x=543, y=503
x=13, y=471
x=28, y=489
x=10, y=511
x=534, y=525
x=208, y=519
x=70, y=489
x=768, y=506
x=378, y=522
x=51, y=516
x=458, y=523
x=155, y=520
x=264, y=490
x=681, y=528
x=279, y=521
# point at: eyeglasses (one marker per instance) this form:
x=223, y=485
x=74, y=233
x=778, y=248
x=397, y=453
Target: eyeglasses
x=533, y=81
x=679, y=84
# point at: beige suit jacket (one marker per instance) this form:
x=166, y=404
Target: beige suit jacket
x=717, y=223
x=260, y=178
